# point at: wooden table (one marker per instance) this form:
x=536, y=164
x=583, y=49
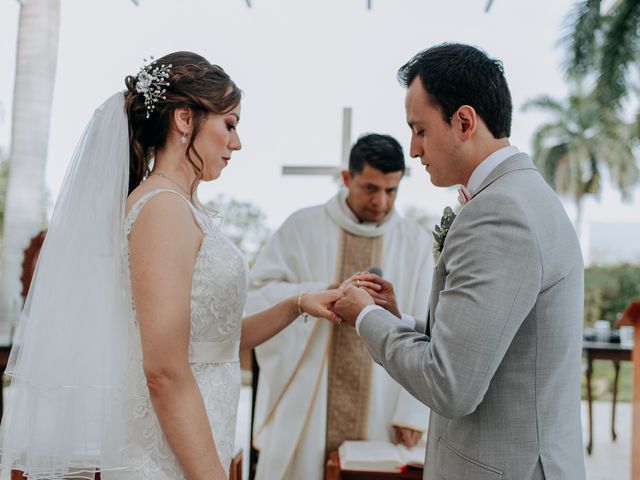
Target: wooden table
x=333, y=472
x=604, y=351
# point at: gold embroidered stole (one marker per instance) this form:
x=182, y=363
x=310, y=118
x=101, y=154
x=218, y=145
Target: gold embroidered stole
x=350, y=365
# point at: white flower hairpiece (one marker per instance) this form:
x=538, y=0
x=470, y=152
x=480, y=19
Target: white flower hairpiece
x=151, y=83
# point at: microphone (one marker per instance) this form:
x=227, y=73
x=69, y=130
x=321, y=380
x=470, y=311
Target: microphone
x=375, y=270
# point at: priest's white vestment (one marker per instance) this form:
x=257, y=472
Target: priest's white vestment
x=291, y=404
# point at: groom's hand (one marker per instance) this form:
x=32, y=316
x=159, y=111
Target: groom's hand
x=351, y=304
x=382, y=292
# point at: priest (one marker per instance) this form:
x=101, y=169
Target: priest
x=318, y=385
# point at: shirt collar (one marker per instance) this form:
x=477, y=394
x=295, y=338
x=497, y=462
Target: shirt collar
x=485, y=167
x=339, y=211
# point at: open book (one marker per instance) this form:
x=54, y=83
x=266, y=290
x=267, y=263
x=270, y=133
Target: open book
x=378, y=456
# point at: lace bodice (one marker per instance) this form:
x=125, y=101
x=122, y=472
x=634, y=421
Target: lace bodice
x=218, y=290
x=218, y=295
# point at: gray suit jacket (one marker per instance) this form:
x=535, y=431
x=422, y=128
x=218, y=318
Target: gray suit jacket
x=500, y=362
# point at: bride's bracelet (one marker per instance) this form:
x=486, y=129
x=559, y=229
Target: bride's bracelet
x=304, y=314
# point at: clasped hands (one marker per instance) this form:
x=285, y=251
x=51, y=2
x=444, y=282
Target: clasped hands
x=343, y=303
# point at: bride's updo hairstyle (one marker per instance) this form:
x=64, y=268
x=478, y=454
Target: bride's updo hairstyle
x=188, y=80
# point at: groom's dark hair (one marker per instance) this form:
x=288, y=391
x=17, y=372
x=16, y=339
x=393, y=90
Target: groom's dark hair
x=381, y=152
x=454, y=74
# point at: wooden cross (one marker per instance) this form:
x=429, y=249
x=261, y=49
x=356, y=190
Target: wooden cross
x=327, y=170
x=335, y=172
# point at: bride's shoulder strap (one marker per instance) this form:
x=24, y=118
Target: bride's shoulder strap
x=137, y=208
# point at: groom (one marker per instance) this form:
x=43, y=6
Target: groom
x=498, y=360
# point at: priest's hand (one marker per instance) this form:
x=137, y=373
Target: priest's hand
x=406, y=436
x=351, y=304
x=320, y=304
x=380, y=290
x=358, y=280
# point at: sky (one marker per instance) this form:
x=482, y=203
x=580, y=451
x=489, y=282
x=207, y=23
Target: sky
x=299, y=62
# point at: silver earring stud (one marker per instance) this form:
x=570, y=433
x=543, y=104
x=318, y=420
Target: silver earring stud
x=183, y=139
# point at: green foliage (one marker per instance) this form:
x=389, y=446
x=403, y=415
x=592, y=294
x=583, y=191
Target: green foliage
x=604, y=45
x=243, y=223
x=582, y=37
x=608, y=290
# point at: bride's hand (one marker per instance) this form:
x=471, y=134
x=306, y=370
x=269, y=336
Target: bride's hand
x=320, y=304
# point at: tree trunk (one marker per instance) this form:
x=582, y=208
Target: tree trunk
x=36, y=60
x=582, y=230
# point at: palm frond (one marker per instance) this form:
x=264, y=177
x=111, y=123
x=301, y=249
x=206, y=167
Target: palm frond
x=550, y=163
x=544, y=102
x=580, y=141
x=619, y=51
x=583, y=26
x=617, y=151
x=543, y=138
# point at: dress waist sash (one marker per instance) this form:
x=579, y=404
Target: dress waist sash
x=214, y=352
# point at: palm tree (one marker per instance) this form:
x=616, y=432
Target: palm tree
x=4, y=176
x=573, y=148
x=36, y=61
x=605, y=44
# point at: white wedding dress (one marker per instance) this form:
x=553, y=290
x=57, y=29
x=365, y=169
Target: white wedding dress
x=218, y=295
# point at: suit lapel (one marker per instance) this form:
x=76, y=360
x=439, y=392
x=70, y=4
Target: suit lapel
x=519, y=161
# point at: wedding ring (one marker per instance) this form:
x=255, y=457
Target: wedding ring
x=358, y=283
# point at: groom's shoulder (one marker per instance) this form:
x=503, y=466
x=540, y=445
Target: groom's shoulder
x=516, y=178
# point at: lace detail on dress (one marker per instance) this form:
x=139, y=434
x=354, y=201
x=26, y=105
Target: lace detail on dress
x=217, y=300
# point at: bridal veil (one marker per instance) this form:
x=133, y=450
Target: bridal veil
x=65, y=410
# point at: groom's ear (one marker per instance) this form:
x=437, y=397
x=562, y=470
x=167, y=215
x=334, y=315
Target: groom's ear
x=466, y=120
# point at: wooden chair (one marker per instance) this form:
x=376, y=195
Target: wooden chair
x=235, y=472
x=31, y=254
x=631, y=316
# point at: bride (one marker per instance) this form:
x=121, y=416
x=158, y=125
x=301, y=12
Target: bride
x=126, y=357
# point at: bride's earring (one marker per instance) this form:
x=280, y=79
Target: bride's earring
x=183, y=139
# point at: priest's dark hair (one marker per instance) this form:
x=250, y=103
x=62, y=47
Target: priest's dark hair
x=381, y=152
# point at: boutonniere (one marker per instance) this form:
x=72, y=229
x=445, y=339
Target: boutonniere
x=440, y=232
x=448, y=216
